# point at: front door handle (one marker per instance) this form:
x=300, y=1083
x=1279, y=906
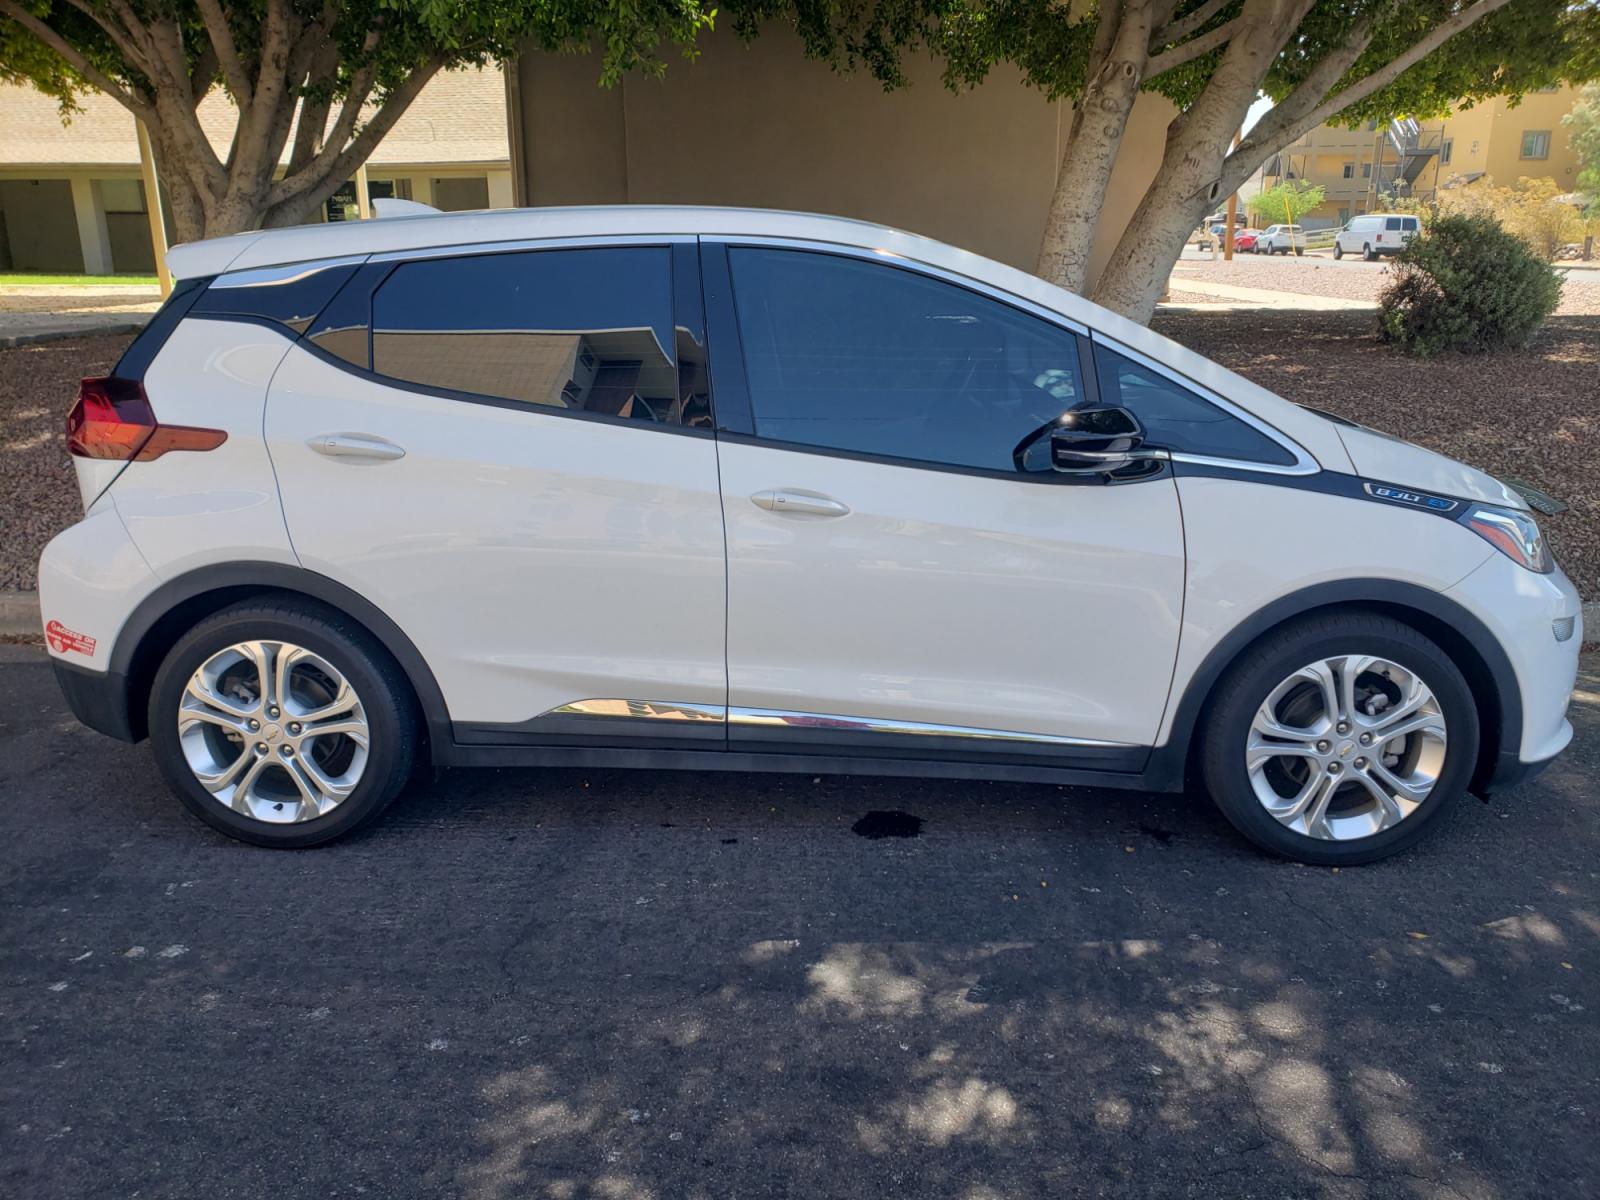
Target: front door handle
x=796, y=500
x=354, y=445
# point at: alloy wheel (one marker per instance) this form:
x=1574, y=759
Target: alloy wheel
x=1346, y=747
x=273, y=731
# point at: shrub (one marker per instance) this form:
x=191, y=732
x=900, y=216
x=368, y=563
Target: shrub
x=1469, y=285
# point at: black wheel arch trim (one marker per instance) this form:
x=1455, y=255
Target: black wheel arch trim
x=1169, y=762
x=282, y=577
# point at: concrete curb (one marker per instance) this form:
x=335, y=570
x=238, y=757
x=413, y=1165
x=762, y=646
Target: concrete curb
x=10, y=341
x=19, y=616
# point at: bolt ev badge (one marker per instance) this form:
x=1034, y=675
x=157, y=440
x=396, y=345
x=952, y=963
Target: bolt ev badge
x=1383, y=491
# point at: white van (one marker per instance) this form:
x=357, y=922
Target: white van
x=1375, y=234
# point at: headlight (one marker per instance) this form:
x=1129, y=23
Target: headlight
x=1515, y=534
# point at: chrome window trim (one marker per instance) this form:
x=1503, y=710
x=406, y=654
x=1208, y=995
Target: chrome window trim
x=917, y=265
x=474, y=249
x=286, y=273
x=808, y=720
x=1303, y=463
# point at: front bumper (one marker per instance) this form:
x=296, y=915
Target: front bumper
x=97, y=698
x=1524, y=612
x=1510, y=772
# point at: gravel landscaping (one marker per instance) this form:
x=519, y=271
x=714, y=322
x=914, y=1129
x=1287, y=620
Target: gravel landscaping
x=38, y=490
x=1347, y=279
x=1532, y=415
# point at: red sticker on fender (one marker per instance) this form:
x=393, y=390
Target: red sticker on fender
x=63, y=640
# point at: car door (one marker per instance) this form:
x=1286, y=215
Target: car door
x=898, y=580
x=509, y=452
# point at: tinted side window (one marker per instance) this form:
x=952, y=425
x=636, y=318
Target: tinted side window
x=1393, y=223
x=588, y=330
x=1176, y=419
x=862, y=356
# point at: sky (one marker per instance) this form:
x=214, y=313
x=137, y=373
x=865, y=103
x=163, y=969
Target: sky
x=1260, y=106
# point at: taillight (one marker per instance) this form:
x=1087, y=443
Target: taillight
x=113, y=419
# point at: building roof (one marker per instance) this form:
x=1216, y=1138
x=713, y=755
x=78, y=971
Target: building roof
x=460, y=117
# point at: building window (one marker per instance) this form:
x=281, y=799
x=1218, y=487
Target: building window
x=1446, y=149
x=1535, y=143
x=1366, y=170
x=1349, y=170
x=1344, y=216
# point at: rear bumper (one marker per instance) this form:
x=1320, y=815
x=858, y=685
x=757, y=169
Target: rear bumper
x=97, y=698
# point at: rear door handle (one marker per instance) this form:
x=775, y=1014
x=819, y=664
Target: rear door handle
x=795, y=500
x=354, y=445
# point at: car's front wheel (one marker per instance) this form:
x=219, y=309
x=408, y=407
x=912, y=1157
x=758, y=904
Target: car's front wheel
x=1340, y=739
x=1338, y=252
x=282, y=723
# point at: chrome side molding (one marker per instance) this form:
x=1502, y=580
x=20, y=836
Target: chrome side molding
x=649, y=710
x=805, y=720
x=778, y=718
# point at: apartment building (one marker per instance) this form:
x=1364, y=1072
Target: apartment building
x=1494, y=139
x=71, y=197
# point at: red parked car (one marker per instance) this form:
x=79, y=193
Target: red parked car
x=1245, y=239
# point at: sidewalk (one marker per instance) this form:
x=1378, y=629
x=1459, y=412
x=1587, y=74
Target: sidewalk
x=1233, y=297
x=30, y=328
x=32, y=313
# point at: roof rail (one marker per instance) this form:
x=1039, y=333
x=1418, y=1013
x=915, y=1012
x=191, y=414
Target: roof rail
x=393, y=207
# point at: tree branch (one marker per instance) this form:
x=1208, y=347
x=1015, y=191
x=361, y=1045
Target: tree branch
x=1301, y=111
x=332, y=162
x=125, y=39
x=1191, y=50
x=131, y=98
x=1384, y=76
x=1177, y=30
x=220, y=34
x=204, y=73
x=313, y=122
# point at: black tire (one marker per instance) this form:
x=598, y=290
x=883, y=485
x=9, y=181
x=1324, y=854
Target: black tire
x=385, y=696
x=1248, y=682
x=1338, y=252
x=1367, y=254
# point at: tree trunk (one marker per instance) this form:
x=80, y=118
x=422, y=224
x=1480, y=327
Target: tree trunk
x=1099, y=121
x=1189, y=180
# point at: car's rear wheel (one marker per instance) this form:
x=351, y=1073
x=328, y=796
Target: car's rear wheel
x=1341, y=739
x=1367, y=254
x=282, y=723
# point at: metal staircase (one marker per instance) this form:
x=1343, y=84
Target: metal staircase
x=1413, y=150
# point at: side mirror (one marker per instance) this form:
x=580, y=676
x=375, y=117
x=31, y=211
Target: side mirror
x=1090, y=441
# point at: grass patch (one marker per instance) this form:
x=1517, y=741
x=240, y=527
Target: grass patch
x=13, y=278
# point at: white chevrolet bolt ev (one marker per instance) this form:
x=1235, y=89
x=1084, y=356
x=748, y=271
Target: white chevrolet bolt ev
x=711, y=488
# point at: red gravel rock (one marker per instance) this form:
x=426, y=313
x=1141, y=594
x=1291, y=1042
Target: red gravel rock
x=38, y=489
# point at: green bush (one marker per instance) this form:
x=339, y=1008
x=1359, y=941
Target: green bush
x=1468, y=285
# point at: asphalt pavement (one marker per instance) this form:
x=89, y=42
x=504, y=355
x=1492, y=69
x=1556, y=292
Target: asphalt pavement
x=606, y=985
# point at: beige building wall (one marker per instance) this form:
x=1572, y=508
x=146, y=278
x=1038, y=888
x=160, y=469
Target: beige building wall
x=762, y=125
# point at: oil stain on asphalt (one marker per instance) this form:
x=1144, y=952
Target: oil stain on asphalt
x=892, y=823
